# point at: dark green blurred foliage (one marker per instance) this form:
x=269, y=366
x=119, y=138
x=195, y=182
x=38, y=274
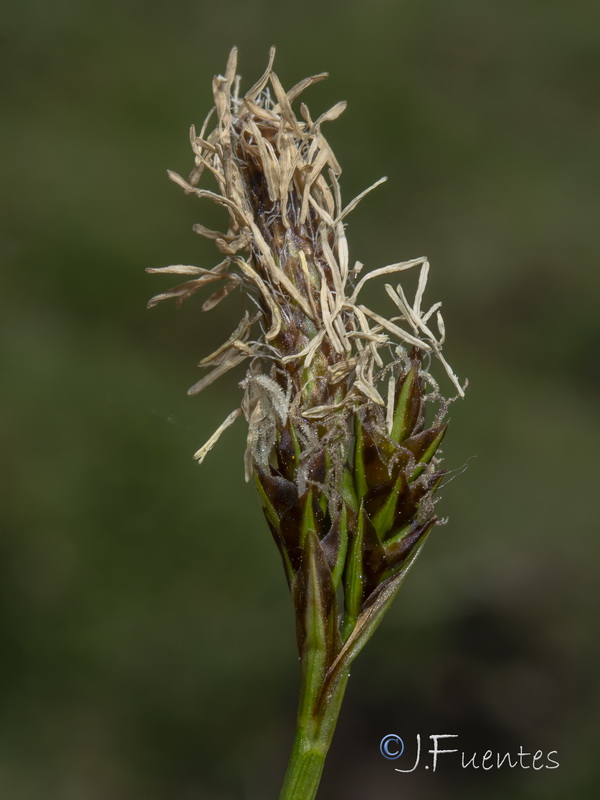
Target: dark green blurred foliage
x=147, y=633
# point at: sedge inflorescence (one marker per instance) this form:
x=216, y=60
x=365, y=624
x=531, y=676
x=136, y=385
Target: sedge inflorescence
x=334, y=393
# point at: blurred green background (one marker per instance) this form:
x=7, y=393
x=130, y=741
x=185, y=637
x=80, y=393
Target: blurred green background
x=147, y=635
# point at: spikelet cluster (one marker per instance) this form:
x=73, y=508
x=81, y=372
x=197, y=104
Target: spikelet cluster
x=344, y=455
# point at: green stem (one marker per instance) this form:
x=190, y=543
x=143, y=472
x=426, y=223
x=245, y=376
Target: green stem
x=314, y=732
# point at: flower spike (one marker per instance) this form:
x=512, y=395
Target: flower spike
x=335, y=394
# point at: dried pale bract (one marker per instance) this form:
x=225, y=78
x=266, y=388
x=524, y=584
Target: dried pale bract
x=286, y=248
